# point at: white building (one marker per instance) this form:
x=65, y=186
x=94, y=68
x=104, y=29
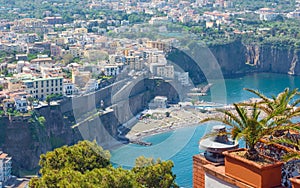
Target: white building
x=5, y=168
x=159, y=20
x=294, y=14
x=267, y=16
x=41, y=87
x=111, y=70
x=162, y=70
x=69, y=89
x=21, y=103
x=159, y=102
x=183, y=78
x=157, y=57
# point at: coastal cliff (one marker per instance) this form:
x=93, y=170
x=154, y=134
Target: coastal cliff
x=236, y=59
x=25, y=139
x=267, y=58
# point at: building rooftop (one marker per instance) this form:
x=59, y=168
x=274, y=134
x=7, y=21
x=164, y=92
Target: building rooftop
x=3, y=155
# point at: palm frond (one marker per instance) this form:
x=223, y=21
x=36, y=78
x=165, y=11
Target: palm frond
x=260, y=95
x=291, y=156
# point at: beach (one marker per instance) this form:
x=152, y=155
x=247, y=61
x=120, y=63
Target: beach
x=164, y=120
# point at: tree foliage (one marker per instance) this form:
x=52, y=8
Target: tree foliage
x=87, y=165
x=150, y=173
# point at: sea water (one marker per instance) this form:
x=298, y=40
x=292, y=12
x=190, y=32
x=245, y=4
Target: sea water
x=180, y=145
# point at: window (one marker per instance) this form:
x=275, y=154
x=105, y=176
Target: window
x=55, y=89
x=51, y=89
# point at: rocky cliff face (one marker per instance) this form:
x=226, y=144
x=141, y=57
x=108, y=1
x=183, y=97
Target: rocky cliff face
x=25, y=140
x=236, y=59
x=268, y=58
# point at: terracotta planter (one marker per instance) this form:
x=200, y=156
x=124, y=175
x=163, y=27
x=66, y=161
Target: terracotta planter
x=252, y=173
x=295, y=182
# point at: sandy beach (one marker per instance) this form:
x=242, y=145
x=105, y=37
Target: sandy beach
x=157, y=121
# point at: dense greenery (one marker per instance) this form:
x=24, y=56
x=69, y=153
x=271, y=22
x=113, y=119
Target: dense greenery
x=285, y=5
x=87, y=165
x=52, y=97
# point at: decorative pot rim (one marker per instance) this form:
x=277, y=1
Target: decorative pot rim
x=250, y=162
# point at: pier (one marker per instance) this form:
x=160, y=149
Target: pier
x=140, y=142
x=200, y=91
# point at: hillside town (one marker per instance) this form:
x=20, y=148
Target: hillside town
x=53, y=57
x=52, y=50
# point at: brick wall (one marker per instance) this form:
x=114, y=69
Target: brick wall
x=198, y=171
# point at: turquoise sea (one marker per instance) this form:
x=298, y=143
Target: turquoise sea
x=180, y=145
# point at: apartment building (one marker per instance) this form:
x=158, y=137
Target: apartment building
x=41, y=87
x=41, y=62
x=5, y=168
x=69, y=88
x=162, y=70
x=111, y=70
x=21, y=103
x=75, y=51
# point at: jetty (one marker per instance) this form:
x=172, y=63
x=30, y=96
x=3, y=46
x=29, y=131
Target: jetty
x=200, y=91
x=197, y=94
x=140, y=142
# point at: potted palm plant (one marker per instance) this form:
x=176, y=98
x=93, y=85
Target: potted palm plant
x=252, y=122
x=283, y=106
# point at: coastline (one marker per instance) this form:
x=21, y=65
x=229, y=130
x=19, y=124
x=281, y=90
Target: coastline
x=160, y=131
